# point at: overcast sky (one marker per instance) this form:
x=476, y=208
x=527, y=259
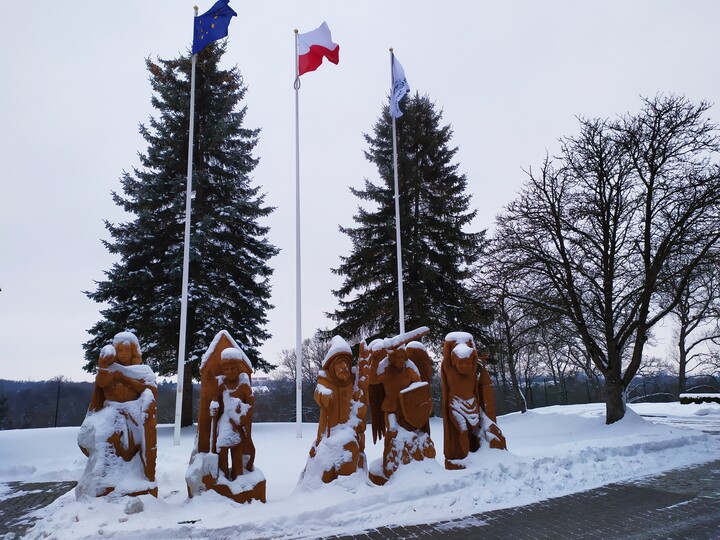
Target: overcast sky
x=510, y=77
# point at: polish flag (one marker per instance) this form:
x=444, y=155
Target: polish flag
x=313, y=46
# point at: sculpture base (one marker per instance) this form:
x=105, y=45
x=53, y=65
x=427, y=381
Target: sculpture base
x=499, y=441
x=453, y=465
x=402, y=446
x=255, y=493
x=204, y=474
x=378, y=480
x=334, y=456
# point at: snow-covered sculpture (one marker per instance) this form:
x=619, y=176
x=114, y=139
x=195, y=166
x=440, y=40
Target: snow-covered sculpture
x=468, y=404
x=119, y=432
x=400, y=402
x=487, y=402
x=341, y=393
x=224, y=456
x=363, y=385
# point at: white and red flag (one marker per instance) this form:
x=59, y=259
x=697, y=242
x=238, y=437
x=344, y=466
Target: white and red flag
x=310, y=49
x=315, y=45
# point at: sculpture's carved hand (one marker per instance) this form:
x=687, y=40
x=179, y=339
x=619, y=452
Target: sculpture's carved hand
x=214, y=408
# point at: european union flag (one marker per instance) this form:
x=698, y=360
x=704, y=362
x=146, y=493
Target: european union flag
x=212, y=25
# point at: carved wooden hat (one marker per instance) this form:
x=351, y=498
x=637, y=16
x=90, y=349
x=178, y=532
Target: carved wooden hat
x=231, y=354
x=339, y=348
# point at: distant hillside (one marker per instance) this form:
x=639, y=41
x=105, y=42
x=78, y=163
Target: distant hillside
x=58, y=402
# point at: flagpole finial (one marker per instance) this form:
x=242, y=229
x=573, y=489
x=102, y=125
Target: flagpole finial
x=296, y=30
x=196, y=10
x=391, y=49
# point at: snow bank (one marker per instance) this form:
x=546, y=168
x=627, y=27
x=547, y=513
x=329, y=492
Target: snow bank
x=552, y=451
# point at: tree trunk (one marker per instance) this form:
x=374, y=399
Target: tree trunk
x=682, y=358
x=516, y=385
x=186, y=418
x=614, y=402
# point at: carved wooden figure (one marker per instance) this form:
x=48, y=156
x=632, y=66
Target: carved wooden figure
x=339, y=447
x=119, y=433
x=400, y=402
x=363, y=396
x=487, y=402
x=224, y=457
x=467, y=401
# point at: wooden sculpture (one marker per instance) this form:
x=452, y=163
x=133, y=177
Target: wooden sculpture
x=119, y=433
x=363, y=389
x=468, y=404
x=400, y=402
x=224, y=456
x=341, y=393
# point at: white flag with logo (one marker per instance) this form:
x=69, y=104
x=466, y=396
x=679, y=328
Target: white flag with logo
x=400, y=87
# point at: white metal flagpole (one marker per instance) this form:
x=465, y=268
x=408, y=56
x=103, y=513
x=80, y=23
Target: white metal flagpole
x=401, y=299
x=298, y=281
x=186, y=261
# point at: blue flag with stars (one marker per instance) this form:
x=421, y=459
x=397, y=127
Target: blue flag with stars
x=212, y=25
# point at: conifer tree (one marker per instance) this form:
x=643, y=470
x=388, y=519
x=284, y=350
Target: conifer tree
x=437, y=252
x=229, y=276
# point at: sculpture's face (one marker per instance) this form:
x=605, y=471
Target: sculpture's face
x=231, y=372
x=463, y=365
x=397, y=358
x=124, y=353
x=342, y=370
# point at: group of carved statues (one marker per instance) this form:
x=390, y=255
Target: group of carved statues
x=391, y=379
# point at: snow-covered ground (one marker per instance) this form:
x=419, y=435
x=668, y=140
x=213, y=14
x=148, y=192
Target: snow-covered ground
x=553, y=451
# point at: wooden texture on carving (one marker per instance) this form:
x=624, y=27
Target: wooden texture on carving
x=224, y=457
x=400, y=388
x=487, y=398
x=468, y=404
x=341, y=394
x=120, y=428
x=209, y=372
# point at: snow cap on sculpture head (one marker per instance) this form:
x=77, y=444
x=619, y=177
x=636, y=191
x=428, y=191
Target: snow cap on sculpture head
x=233, y=355
x=465, y=359
x=127, y=349
x=338, y=361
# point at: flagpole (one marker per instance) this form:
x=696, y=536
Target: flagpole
x=186, y=260
x=298, y=281
x=401, y=299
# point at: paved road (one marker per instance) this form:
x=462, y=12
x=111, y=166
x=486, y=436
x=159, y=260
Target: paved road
x=684, y=503
x=25, y=498
x=681, y=504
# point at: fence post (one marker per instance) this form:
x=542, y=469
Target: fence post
x=57, y=403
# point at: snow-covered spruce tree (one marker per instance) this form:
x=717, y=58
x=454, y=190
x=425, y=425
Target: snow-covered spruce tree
x=437, y=253
x=229, y=276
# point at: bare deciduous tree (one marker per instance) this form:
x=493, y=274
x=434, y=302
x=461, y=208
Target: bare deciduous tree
x=313, y=352
x=698, y=321
x=630, y=205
